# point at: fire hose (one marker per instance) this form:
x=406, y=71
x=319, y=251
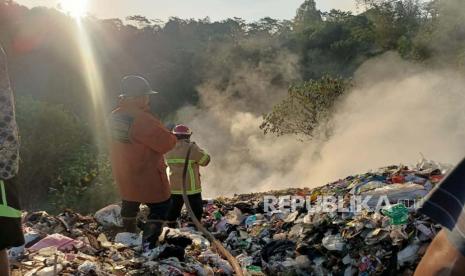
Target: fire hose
x=216, y=244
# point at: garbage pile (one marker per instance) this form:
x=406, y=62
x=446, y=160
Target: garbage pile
x=299, y=241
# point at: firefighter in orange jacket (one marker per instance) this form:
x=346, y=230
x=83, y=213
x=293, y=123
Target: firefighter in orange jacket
x=176, y=160
x=139, y=142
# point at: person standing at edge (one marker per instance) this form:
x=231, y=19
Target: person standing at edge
x=176, y=159
x=445, y=205
x=139, y=141
x=11, y=234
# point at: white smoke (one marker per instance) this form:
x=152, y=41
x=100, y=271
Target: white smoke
x=396, y=111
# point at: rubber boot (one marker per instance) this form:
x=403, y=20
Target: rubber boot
x=152, y=231
x=130, y=225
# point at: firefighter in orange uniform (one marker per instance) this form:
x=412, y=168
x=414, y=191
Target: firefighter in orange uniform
x=139, y=142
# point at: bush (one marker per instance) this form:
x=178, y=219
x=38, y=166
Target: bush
x=85, y=185
x=59, y=161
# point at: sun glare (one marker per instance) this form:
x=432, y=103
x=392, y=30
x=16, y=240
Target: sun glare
x=75, y=8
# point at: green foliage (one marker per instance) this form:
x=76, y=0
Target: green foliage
x=85, y=184
x=50, y=136
x=307, y=106
x=58, y=159
x=307, y=15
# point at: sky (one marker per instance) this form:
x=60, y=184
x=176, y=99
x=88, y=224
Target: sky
x=249, y=10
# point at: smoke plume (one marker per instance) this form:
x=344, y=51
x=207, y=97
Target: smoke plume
x=395, y=111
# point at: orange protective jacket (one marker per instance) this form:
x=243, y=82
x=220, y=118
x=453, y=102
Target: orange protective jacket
x=139, y=141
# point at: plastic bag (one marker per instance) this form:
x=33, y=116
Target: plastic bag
x=129, y=239
x=408, y=254
x=334, y=242
x=398, y=214
x=234, y=217
x=395, y=192
x=249, y=221
x=57, y=241
x=109, y=216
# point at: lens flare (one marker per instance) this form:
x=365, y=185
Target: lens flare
x=91, y=74
x=75, y=8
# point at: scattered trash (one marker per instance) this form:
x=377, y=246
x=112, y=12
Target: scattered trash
x=293, y=242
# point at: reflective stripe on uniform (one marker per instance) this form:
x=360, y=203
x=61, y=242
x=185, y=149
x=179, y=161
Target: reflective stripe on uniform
x=204, y=159
x=176, y=192
x=192, y=190
x=178, y=161
x=5, y=210
x=192, y=176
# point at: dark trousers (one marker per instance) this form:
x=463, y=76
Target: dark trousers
x=155, y=220
x=177, y=202
x=11, y=233
x=158, y=211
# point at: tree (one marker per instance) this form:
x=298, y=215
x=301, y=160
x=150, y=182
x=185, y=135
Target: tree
x=307, y=15
x=140, y=21
x=52, y=139
x=306, y=107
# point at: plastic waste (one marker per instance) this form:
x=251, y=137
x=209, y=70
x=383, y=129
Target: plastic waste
x=244, y=260
x=415, y=179
x=274, y=243
x=197, y=239
x=250, y=220
x=129, y=239
x=110, y=216
x=234, y=217
x=278, y=248
x=217, y=215
x=217, y=261
x=222, y=225
x=29, y=237
x=428, y=165
x=366, y=186
x=376, y=236
x=333, y=242
x=395, y=192
x=408, y=254
x=296, y=231
x=347, y=259
x=292, y=217
x=398, y=214
x=50, y=270
x=254, y=270
x=89, y=268
x=303, y=262
x=397, y=179
x=57, y=241
x=424, y=230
